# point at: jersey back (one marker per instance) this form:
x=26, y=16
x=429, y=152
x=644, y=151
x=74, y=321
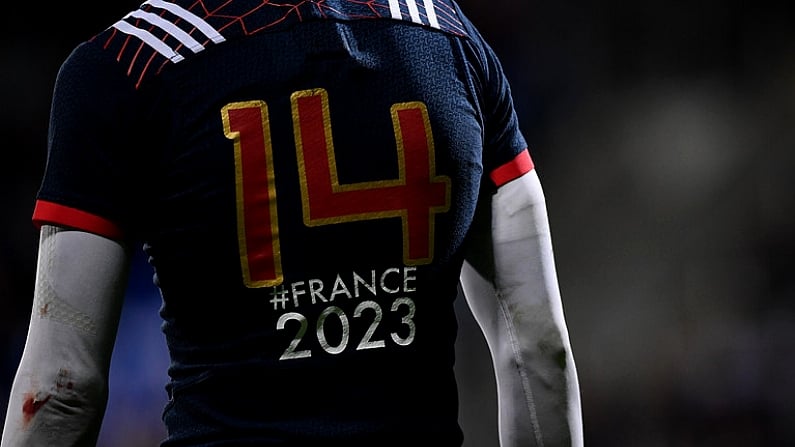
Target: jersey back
x=303, y=176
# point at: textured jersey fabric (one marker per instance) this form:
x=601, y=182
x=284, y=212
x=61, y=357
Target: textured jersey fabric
x=303, y=175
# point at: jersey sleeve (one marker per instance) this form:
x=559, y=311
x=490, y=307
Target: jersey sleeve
x=89, y=179
x=505, y=153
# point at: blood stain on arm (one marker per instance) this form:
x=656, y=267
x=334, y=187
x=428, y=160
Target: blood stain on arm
x=31, y=405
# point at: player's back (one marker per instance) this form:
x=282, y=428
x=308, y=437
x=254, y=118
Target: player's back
x=307, y=173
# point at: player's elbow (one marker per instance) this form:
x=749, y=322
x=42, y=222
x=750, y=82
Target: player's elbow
x=88, y=390
x=66, y=396
x=540, y=347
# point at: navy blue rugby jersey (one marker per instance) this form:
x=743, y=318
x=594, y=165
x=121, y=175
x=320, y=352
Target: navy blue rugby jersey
x=303, y=176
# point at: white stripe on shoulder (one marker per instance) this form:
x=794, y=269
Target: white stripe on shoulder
x=168, y=27
x=430, y=11
x=191, y=18
x=414, y=12
x=150, y=39
x=394, y=8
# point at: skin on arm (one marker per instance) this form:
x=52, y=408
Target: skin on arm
x=60, y=389
x=510, y=283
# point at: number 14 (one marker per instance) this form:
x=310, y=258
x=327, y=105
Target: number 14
x=415, y=196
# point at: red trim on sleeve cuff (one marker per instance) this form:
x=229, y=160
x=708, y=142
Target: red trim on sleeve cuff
x=52, y=213
x=519, y=166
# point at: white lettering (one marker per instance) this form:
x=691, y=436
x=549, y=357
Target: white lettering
x=383, y=280
x=339, y=289
x=391, y=281
x=408, y=277
x=315, y=287
x=359, y=280
x=294, y=288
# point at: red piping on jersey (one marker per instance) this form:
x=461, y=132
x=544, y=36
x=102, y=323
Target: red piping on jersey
x=520, y=165
x=52, y=213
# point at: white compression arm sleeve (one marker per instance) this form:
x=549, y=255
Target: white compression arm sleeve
x=511, y=285
x=60, y=388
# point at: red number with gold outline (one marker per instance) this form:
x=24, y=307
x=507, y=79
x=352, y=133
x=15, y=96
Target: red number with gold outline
x=416, y=196
x=248, y=125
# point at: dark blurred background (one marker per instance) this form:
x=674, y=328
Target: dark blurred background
x=664, y=134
